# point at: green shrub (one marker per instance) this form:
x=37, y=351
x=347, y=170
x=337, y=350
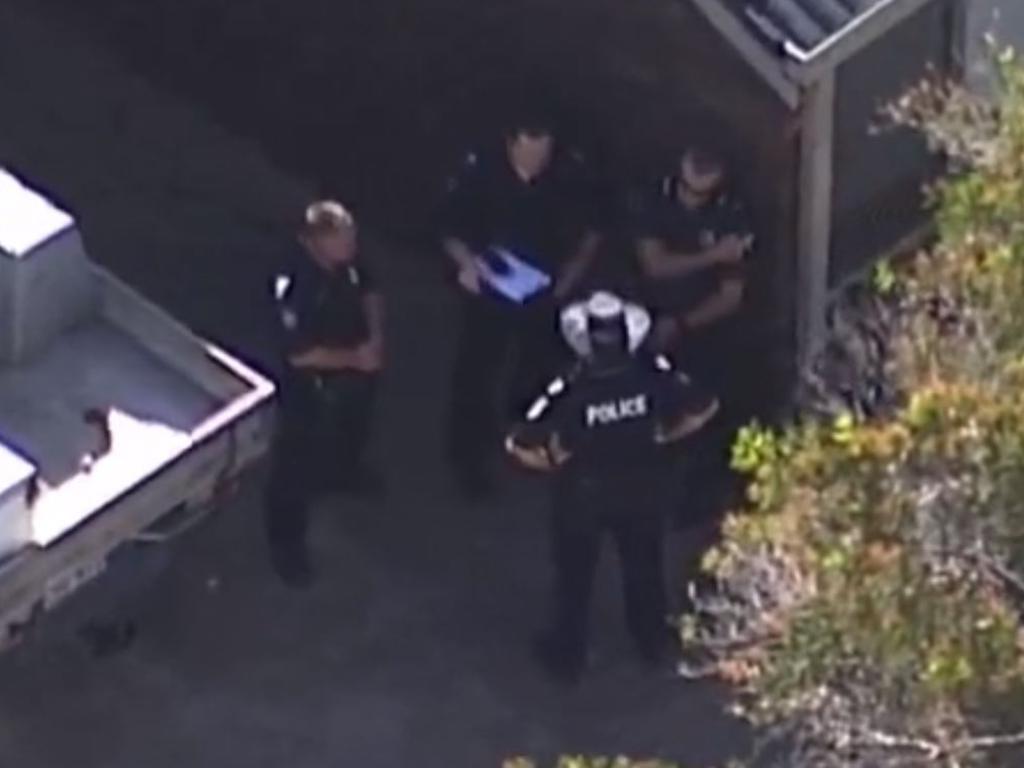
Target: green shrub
x=868, y=600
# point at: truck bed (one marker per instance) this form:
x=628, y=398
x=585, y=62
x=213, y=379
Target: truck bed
x=117, y=423
x=153, y=409
x=96, y=366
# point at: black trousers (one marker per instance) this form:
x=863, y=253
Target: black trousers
x=718, y=360
x=322, y=431
x=628, y=509
x=505, y=354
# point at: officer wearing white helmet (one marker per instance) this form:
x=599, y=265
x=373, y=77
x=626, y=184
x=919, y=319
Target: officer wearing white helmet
x=603, y=429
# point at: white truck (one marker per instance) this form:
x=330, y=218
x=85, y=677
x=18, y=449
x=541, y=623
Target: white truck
x=116, y=422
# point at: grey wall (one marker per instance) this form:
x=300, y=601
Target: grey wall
x=1003, y=18
x=879, y=177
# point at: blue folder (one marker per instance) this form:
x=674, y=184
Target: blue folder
x=512, y=277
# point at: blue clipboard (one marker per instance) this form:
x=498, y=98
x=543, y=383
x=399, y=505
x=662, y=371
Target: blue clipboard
x=512, y=277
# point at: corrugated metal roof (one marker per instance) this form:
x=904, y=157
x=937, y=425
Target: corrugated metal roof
x=803, y=23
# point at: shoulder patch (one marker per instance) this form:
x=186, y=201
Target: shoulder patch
x=556, y=387
x=538, y=409
x=667, y=186
x=282, y=286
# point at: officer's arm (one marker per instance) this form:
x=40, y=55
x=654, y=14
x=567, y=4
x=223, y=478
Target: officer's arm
x=659, y=263
x=462, y=256
x=461, y=211
x=538, y=443
x=546, y=456
x=579, y=263
x=323, y=358
x=689, y=422
x=721, y=304
x=587, y=207
x=373, y=307
x=367, y=357
x=729, y=296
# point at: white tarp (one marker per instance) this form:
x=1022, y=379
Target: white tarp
x=139, y=449
x=27, y=219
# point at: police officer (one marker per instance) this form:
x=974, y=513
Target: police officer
x=694, y=243
x=331, y=318
x=694, y=239
x=603, y=428
x=531, y=197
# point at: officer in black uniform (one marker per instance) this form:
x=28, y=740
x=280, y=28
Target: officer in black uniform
x=532, y=197
x=604, y=428
x=331, y=318
x=694, y=239
x=694, y=243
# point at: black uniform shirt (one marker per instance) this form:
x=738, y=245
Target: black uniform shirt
x=541, y=221
x=690, y=231
x=608, y=423
x=318, y=307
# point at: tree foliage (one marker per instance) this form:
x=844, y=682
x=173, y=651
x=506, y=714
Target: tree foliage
x=867, y=601
x=592, y=762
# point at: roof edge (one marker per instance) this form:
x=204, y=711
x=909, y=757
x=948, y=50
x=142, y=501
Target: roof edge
x=804, y=67
x=770, y=68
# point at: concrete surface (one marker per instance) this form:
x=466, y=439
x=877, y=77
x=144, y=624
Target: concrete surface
x=411, y=651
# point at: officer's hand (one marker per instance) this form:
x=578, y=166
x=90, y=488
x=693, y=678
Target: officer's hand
x=731, y=249
x=469, y=278
x=311, y=358
x=368, y=358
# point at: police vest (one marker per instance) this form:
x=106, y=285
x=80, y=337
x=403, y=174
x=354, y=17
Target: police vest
x=616, y=410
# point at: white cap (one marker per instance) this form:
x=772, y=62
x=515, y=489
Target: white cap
x=603, y=305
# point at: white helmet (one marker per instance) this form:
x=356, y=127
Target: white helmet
x=584, y=323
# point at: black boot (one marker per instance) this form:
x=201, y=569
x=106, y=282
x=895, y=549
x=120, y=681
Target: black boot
x=292, y=566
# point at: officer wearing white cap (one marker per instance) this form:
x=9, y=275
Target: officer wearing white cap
x=603, y=429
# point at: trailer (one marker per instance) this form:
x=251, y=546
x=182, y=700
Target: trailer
x=117, y=423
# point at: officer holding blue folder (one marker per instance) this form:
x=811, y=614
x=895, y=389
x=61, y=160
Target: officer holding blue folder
x=519, y=228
